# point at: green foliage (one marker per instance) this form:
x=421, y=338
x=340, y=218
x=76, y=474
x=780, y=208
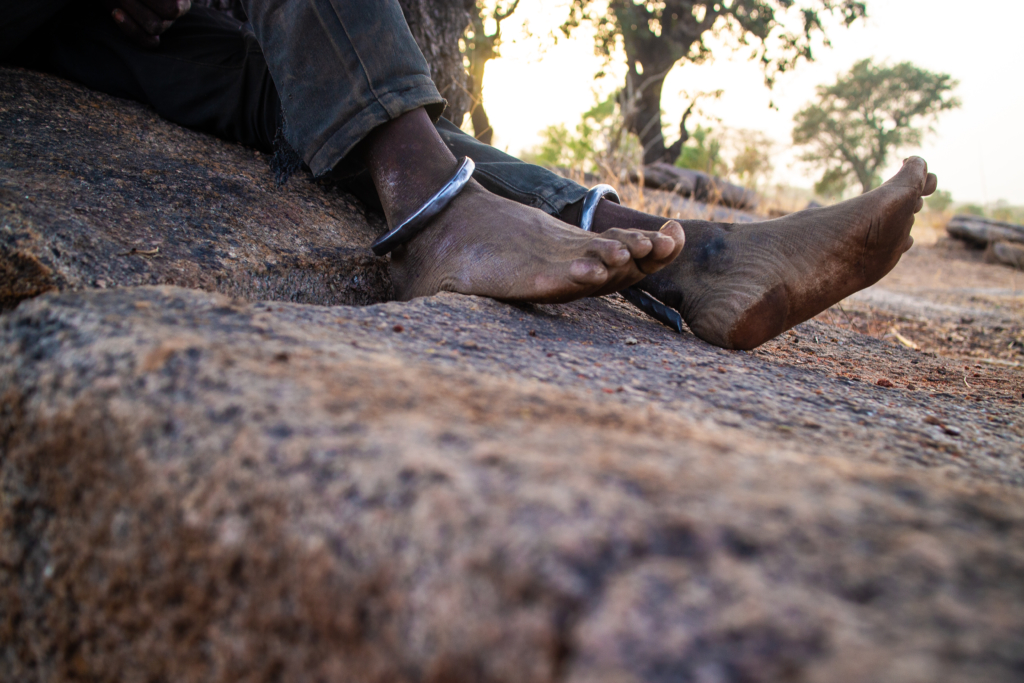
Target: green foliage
x=656, y=34
x=833, y=184
x=1001, y=211
x=704, y=154
x=743, y=156
x=940, y=200
x=872, y=111
x=752, y=163
x=670, y=30
x=971, y=210
x=597, y=142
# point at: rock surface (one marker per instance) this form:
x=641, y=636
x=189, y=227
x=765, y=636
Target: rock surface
x=197, y=488
x=1009, y=253
x=983, y=231
x=85, y=179
x=200, y=487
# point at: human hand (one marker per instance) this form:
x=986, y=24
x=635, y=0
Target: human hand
x=144, y=20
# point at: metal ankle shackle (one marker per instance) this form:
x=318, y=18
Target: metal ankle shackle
x=645, y=302
x=415, y=223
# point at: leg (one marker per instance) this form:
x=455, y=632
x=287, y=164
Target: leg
x=211, y=75
x=19, y=20
x=487, y=245
x=208, y=73
x=383, y=102
x=739, y=286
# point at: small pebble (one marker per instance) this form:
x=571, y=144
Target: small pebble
x=398, y=328
x=885, y=383
x=632, y=341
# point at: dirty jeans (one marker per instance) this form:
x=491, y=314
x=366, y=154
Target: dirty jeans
x=323, y=72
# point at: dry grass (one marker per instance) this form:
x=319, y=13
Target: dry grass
x=658, y=202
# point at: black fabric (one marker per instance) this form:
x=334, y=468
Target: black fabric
x=208, y=73
x=19, y=19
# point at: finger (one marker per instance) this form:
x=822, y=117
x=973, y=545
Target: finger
x=149, y=21
x=133, y=30
x=168, y=9
x=931, y=183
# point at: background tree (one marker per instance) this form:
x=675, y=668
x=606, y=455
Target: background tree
x=868, y=114
x=656, y=34
x=438, y=27
x=752, y=163
x=940, y=200
x=704, y=155
x=480, y=48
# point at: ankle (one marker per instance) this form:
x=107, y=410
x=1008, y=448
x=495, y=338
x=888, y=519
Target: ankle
x=408, y=162
x=611, y=215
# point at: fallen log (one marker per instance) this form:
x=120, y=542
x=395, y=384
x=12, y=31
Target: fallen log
x=983, y=231
x=697, y=185
x=1009, y=253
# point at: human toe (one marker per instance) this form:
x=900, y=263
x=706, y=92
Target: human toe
x=913, y=173
x=588, y=271
x=670, y=242
x=611, y=252
x=666, y=245
x=638, y=242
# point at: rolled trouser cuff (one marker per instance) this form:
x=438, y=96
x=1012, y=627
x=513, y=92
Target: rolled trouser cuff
x=342, y=68
x=419, y=91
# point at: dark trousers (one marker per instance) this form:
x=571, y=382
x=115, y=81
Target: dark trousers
x=324, y=72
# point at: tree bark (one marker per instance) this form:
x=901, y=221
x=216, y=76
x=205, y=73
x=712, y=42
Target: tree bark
x=482, y=124
x=437, y=26
x=644, y=119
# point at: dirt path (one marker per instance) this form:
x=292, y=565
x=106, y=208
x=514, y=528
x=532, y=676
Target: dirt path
x=948, y=299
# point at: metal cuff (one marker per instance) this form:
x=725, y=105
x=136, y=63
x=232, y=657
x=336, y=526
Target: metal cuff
x=590, y=202
x=645, y=302
x=414, y=224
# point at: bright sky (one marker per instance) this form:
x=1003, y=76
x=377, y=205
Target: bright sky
x=974, y=151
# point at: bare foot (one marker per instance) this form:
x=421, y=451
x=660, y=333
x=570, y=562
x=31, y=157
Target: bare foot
x=737, y=286
x=486, y=245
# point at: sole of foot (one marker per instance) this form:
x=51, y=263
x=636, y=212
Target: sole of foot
x=485, y=245
x=737, y=286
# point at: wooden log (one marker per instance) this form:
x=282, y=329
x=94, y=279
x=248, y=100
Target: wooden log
x=662, y=176
x=1009, y=253
x=983, y=231
x=697, y=185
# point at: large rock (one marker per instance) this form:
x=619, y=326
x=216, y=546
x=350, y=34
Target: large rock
x=193, y=488
x=984, y=231
x=699, y=186
x=85, y=179
x=1009, y=253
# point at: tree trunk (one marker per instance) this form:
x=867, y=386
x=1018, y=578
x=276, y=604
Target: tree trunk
x=482, y=124
x=479, y=55
x=437, y=26
x=644, y=119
